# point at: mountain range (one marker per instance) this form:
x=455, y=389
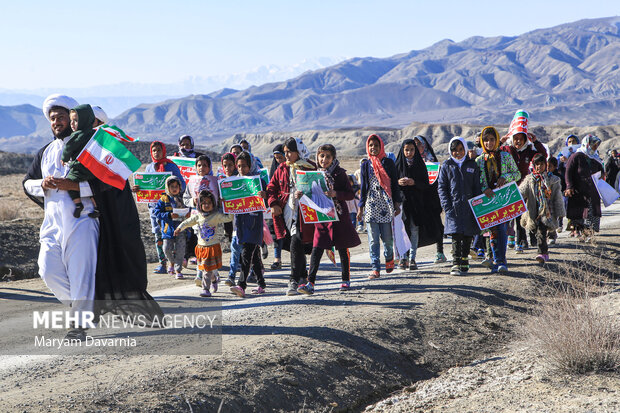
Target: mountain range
x=564, y=75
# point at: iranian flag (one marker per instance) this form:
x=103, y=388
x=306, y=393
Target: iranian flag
x=118, y=133
x=108, y=159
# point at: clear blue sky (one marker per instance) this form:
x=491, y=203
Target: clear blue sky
x=78, y=44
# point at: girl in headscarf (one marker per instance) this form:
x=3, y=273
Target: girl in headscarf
x=284, y=202
x=379, y=202
x=160, y=164
x=278, y=158
x=497, y=168
x=341, y=234
x=434, y=227
x=186, y=148
x=459, y=181
x=542, y=193
x=584, y=202
x=413, y=180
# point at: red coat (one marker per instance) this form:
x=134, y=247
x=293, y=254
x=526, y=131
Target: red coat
x=278, y=192
x=340, y=234
x=523, y=158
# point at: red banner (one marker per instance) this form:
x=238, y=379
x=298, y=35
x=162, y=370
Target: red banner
x=501, y=215
x=147, y=196
x=244, y=205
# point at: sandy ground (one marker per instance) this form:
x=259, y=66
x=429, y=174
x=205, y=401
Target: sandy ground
x=334, y=351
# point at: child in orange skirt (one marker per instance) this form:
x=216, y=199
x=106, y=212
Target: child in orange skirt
x=208, y=251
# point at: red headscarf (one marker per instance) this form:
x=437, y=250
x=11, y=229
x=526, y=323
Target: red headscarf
x=377, y=166
x=160, y=164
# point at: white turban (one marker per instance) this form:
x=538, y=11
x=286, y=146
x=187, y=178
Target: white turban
x=57, y=100
x=100, y=114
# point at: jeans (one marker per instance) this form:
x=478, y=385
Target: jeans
x=235, y=254
x=277, y=248
x=353, y=216
x=499, y=239
x=414, y=237
x=384, y=231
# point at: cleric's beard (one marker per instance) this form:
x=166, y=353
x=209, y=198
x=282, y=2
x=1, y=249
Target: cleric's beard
x=66, y=132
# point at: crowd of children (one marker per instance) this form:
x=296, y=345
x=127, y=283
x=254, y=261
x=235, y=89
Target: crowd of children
x=385, y=186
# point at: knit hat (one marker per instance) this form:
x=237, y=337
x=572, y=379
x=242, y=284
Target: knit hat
x=519, y=123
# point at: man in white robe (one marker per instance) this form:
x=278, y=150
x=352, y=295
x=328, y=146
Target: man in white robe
x=68, y=256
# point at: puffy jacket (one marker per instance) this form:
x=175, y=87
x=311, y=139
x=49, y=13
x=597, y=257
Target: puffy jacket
x=456, y=187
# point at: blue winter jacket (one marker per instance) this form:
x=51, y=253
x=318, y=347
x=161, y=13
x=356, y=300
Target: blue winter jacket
x=456, y=187
x=163, y=211
x=169, y=167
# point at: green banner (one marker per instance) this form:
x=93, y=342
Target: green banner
x=152, y=185
x=239, y=194
x=504, y=206
x=306, y=178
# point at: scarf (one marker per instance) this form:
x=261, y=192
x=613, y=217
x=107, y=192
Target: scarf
x=428, y=155
x=586, y=147
x=178, y=197
x=329, y=179
x=542, y=193
x=459, y=162
x=407, y=167
x=377, y=166
x=492, y=158
x=160, y=165
x=188, y=153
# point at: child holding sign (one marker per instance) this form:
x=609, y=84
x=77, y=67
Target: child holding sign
x=497, y=168
x=160, y=164
x=287, y=220
x=208, y=250
x=250, y=235
x=174, y=246
x=542, y=193
x=459, y=181
x=340, y=234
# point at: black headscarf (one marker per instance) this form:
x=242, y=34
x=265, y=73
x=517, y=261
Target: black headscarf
x=274, y=163
x=416, y=169
x=413, y=196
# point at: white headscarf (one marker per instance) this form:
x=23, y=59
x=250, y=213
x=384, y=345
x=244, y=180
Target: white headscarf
x=586, y=147
x=57, y=100
x=100, y=114
x=302, y=149
x=459, y=162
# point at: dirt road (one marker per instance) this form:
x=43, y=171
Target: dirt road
x=334, y=351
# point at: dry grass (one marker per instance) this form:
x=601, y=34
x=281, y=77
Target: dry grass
x=573, y=330
x=9, y=210
x=13, y=201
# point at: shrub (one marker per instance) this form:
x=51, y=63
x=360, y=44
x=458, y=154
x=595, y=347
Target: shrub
x=574, y=330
